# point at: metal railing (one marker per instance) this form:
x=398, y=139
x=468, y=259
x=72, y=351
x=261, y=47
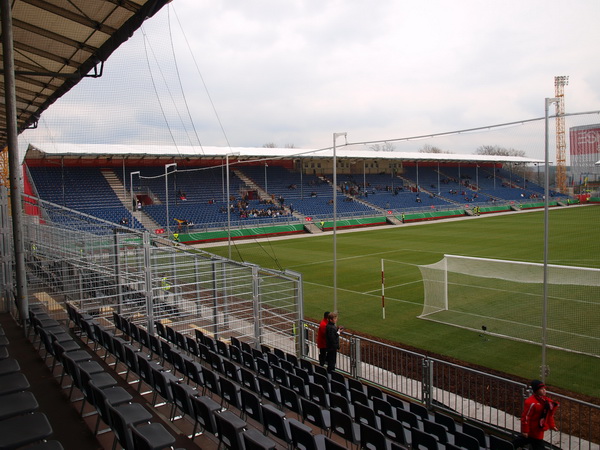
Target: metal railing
x=466, y=393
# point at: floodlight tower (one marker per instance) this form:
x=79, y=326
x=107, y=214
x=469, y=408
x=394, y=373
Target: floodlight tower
x=561, y=144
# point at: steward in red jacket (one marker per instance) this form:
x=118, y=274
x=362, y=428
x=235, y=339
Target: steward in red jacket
x=537, y=417
x=321, y=340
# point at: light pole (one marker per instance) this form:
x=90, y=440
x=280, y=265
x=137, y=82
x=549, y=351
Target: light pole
x=133, y=203
x=549, y=101
x=228, y=205
x=335, y=136
x=266, y=182
x=167, y=194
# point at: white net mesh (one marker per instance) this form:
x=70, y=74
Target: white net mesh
x=506, y=298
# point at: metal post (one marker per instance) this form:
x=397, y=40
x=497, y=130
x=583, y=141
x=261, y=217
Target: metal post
x=364, y=177
x=544, y=368
x=266, y=182
x=10, y=101
x=167, y=195
x=335, y=136
x=133, y=204
x=256, y=306
x=228, y=208
x=301, y=180
x=147, y=247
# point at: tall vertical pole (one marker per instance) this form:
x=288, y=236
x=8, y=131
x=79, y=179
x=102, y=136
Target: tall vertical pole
x=266, y=182
x=10, y=101
x=133, y=203
x=228, y=207
x=544, y=368
x=335, y=136
x=167, y=195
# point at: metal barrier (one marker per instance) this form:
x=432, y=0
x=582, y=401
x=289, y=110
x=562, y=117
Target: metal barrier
x=467, y=393
x=108, y=269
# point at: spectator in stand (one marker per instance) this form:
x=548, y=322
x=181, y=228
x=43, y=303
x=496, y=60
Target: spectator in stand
x=321, y=340
x=332, y=336
x=537, y=417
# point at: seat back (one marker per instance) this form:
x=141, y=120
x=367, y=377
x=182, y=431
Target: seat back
x=154, y=342
x=229, y=428
x=290, y=399
x=269, y=391
x=232, y=371
x=476, y=432
x=317, y=394
x=211, y=381
x=275, y=422
x=343, y=425
x=119, y=427
x=437, y=430
x=381, y=406
x=313, y=413
x=407, y=417
x=302, y=436
x=194, y=372
x=249, y=379
x=192, y=346
x=182, y=397
x=235, y=354
x=393, y=429
x=466, y=441
x=497, y=443
x=446, y=421
x=371, y=438
x=251, y=405
x=364, y=415
x=204, y=409
x=230, y=392
x=263, y=368
x=422, y=440
x=160, y=329
x=180, y=341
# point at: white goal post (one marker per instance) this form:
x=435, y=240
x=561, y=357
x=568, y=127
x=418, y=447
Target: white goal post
x=505, y=298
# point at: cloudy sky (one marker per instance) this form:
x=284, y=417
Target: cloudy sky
x=247, y=73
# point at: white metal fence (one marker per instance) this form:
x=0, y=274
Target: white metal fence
x=468, y=393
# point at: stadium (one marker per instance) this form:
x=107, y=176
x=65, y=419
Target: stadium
x=172, y=295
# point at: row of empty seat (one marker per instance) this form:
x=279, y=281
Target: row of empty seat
x=263, y=383
x=20, y=422
x=131, y=422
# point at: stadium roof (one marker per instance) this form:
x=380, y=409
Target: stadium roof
x=57, y=43
x=160, y=152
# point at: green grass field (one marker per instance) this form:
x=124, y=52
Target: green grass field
x=573, y=241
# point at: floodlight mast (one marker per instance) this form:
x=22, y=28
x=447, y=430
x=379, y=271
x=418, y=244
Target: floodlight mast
x=561, y=145
x=335, y=136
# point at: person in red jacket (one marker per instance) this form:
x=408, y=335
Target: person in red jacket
x=537, y=417
x=321, y=340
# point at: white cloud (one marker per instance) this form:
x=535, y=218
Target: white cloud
x=297, y=71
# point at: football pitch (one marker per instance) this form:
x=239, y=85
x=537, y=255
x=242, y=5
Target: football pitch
x=573, y=240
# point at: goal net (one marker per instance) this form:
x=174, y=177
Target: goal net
x=505, y=298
